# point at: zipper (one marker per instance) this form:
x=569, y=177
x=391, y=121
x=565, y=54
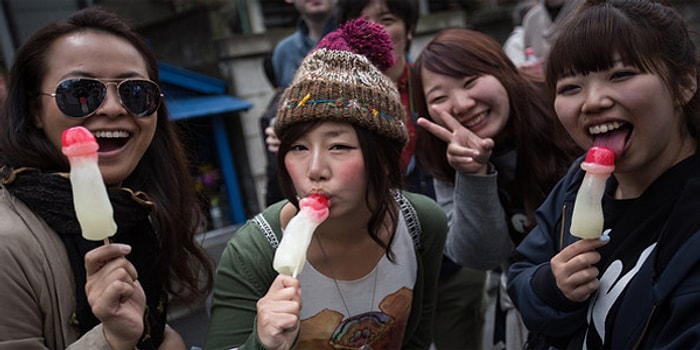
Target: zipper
x=563, y=227
x=646, y=328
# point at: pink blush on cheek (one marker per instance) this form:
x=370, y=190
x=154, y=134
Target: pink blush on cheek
x=294, y=170
x=351, y=176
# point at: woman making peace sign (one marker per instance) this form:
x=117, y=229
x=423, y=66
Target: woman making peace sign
x=493, y=144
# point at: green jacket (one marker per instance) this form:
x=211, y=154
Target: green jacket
x=245, y=273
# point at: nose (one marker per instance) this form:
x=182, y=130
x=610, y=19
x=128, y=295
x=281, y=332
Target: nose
x=318, y=169
x=461, y=102
x=112, y=105
x=597, y=99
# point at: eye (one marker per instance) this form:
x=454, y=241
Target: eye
x=297, y=148
x=341, y=147
x=387, y=20
x=437, y=99
x=622, y=74
x=567, y=89
x=470, y=82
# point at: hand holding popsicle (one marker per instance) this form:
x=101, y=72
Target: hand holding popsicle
x=92, y=206
x=587, y=218
x=291, y=253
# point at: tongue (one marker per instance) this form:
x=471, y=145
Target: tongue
x=614, y=140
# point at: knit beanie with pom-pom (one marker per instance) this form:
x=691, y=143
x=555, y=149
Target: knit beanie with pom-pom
x=342, y=80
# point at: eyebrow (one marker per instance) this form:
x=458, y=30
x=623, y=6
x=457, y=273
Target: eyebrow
x=80, y=73
x=432, y=89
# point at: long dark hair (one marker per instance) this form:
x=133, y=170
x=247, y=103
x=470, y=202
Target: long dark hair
x=382, y=170
x=544, y=149
x=163, y=172
x=649, y=35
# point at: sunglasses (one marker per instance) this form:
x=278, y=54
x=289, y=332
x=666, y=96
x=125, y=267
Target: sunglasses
x=80, y=98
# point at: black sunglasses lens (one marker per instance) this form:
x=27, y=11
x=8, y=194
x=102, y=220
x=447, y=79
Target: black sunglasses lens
x=140, y=97
x=78, y=98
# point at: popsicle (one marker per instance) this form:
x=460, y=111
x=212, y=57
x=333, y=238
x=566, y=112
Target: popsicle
x=587, y=218
x=92, y=206
x=291, y=253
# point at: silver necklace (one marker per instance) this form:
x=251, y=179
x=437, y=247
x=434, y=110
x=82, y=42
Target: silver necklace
x=337, y=287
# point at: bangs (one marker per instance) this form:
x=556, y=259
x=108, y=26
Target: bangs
x=460, y=52
x=595, y=39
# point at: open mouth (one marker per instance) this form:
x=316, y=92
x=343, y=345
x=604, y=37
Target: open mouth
x=613, y=135
x=111, y=140
x=476, y=120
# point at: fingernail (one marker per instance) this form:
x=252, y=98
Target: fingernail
x=124, y=248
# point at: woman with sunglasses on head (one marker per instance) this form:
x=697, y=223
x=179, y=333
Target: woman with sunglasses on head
x=633, y=90
x=58, y=289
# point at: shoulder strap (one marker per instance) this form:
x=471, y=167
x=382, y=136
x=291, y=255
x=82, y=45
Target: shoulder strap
x=407, y=209
x=411, y=217
x=267, y=230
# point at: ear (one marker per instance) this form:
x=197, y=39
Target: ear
x=691, y=88
x=38, y=122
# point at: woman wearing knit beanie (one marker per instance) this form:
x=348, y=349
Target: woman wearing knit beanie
x=372, y=266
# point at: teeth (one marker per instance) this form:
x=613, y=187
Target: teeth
x=603, y=128
x=111, y=134
x=476, y=120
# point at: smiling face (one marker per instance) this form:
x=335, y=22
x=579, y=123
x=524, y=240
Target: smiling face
x=123, y=137
x=480, y=103
x=328, y=160
x=628, y=110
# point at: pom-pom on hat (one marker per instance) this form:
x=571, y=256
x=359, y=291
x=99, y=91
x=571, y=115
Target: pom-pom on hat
x=341, y=80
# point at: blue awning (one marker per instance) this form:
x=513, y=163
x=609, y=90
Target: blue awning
x=192, y=107
x=190, y=94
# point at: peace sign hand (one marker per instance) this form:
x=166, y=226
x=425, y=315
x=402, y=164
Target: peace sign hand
x=466, y=152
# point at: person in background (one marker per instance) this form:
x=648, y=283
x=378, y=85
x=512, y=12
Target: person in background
x=633, y=90
x=495, y=149
x=58, y=289
x=541, y=23
x=315, y=21
x=514, y=46
x=273, y=193
x=341, y=127
x=399, y=18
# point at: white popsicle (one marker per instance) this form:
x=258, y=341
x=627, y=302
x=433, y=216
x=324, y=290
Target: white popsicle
x=92, y=206
x=587, y=218
x=291, y=253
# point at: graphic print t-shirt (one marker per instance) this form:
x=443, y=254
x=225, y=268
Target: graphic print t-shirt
x=325, y=323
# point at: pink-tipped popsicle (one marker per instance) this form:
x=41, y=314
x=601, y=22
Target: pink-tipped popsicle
x=587, y=218
x=92, y=206
x=291, y=253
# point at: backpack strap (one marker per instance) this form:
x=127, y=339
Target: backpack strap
x=407, y=210
x=411, y=217
x=267, y=230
